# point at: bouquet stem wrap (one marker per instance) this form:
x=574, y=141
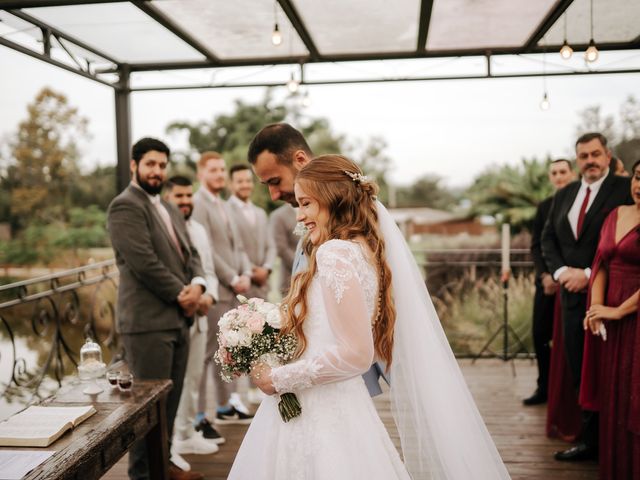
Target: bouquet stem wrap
x=289, y=406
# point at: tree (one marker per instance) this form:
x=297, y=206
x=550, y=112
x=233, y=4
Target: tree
x=231, y=134
x=511, y=192
x=427, y=191
x=43, y=161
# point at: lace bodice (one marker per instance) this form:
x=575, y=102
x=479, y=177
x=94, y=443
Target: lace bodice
x=341, y=300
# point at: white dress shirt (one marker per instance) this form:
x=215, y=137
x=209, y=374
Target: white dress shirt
x=200, y=240
x=247, y=209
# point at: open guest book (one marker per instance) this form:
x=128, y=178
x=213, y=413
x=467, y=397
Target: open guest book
x=41, y=426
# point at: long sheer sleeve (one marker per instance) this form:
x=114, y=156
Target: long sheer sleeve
x=342, y=274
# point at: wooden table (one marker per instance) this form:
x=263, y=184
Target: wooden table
x=88, y=451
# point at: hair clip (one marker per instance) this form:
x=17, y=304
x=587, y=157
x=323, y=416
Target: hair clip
x=357, y=177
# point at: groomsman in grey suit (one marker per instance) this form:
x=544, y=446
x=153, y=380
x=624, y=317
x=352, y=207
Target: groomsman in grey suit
x=253, y=228
x=161, y=284
x=233, y=270
x=277, y=153
x=282, y=223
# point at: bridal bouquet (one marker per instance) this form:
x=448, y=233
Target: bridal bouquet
x=249, y=334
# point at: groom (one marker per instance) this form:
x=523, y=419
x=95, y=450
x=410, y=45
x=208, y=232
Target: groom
x=277, y=153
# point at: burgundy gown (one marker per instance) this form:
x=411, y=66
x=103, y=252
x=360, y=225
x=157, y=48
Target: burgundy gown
x=611, y=368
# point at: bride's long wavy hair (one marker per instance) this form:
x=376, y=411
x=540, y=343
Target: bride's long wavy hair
x=352, y=214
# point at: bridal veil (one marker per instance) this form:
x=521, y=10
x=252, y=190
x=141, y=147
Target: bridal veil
x=442, y=434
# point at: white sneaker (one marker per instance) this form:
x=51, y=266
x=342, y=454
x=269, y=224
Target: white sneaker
x=236, y=402
x=178, y=461
x=255, y=396
x=194, y=445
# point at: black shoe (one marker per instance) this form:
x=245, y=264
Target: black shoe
x=578, y=453
x=233, y=416
x=209, y=432
x=536, y=399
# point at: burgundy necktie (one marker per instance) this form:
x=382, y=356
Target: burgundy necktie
x=583, y=211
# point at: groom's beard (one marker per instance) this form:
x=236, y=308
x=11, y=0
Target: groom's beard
x=150, y=189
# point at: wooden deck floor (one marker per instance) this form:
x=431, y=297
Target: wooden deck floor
x=517, y=431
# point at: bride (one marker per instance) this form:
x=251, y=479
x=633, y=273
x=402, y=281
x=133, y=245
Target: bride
x=362, y=299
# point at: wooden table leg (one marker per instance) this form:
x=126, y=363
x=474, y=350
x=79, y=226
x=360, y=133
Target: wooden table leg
x=157, y=444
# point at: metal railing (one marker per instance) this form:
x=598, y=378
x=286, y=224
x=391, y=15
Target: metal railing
x=43, y=323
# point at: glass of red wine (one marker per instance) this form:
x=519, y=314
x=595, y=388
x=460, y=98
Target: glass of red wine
x=125, y=382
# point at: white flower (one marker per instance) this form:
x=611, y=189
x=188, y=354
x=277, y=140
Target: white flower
x=273, y=318
x=242, y=298
x=300, y=230
x=244, y=337
x=232, y=337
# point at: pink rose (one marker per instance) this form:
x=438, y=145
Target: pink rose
x=255, y=323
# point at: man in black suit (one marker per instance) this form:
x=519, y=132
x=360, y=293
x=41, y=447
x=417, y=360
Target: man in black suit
x=560, y=174
x=569, y=243
x=161, y=284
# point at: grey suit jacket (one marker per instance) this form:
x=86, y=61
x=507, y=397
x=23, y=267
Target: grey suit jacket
x=152, y=273
x=258, y=244
x=282, y=222
x=229, y=256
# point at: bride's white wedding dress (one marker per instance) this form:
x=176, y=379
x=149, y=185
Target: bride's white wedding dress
x=339, y=435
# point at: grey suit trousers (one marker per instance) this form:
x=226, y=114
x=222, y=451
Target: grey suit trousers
x=153, y=356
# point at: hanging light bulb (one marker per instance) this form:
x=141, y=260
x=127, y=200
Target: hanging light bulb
x=292, y=84
x=592, y=54
x=566, y=51
x=276, y=36
x=544, y=104
x=306, y=100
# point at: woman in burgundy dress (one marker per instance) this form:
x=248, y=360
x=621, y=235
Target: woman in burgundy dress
x=611, y=366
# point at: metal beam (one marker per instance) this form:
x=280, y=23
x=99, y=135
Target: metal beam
x=426, y=7
x=170, y=25
x=552, y=16
x=50, y=61
x=11, y=4
x=384, y=80
x=146, y=67
x=123, y=128
x=295, y=19
x=54, y=31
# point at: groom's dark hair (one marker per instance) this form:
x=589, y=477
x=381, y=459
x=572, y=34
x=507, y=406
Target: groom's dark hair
x=281, y=139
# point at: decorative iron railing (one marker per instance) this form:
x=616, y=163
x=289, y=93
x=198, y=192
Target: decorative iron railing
x=43, y=324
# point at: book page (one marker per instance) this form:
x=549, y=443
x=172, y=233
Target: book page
x=15, y=464
x=39, y=426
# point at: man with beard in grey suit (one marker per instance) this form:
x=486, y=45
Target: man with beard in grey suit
x=233, y=270
x=253, y=228
x=161, y=285
x=282, y=224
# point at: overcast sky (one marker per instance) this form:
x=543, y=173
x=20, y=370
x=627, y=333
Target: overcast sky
x=453, y=129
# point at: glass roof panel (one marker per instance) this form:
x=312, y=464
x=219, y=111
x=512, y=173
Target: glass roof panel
x=339, y=27
x=613, y=21
x=235, y=29
x=118, y=29
x=476, y=24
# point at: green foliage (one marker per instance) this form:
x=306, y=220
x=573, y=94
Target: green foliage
x=511, y=192
x=426, y=191
x=86, y=229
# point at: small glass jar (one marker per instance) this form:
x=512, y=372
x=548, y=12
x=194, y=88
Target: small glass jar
x=125, y=382
x=91, y=365
x=112, y=378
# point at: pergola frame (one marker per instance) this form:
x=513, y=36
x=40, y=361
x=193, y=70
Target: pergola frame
x=122, y=71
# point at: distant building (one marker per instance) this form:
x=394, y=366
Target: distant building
x=429, y=221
